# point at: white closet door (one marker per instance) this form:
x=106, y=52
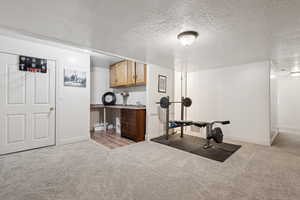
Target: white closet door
x=27, y=106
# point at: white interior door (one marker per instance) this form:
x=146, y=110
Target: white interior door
x=27, y=106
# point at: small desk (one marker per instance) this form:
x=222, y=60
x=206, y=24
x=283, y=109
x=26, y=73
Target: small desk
x=120, y=107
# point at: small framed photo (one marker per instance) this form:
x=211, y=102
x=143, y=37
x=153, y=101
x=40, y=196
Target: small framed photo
x=162, y=84
x=74, y=78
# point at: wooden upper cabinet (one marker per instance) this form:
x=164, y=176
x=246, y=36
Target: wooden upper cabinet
x=113, y=76
x=140, y=74
x=127, y=73
x=121, y=73
x=130, y=72
x=118, y=74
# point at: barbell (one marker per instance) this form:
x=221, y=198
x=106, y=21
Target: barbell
x=165, y=102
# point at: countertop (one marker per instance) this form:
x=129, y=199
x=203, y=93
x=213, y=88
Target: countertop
x=118, y=106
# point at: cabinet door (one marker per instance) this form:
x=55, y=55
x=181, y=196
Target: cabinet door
x=113, y=75
x=130, y=72
x=141, y=73
x=133, y=124
x=128, y=123
x=121, y=73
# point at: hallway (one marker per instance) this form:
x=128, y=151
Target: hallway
x=287, y=142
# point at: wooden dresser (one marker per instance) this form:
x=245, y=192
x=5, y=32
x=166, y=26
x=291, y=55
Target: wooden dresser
x=133, y=124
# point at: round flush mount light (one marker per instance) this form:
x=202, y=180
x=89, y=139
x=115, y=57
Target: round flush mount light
x=187, y=37
x=295, y=74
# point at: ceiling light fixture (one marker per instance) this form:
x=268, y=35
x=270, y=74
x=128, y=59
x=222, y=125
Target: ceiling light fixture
x=187, y=37
x=294, y=74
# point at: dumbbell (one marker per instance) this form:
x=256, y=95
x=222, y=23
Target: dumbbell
x=165, y=102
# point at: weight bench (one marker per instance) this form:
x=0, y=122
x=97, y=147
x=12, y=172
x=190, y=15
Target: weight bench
x=211, y=133
x=179, y=123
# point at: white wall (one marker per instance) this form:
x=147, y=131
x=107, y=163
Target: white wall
x=180, y=85
x=289, y=105
x=72, y=104
x=239, y=94
x=273, y=108
x=156, y=115
x=100, y=85
x=136, y=94
x=178, y=92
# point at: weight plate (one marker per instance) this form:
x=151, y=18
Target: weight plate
x=187, y=102
x=217, y=135
x=109, y=98
x=164, y=102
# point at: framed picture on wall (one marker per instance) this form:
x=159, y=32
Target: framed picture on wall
x=32, y=64
x=74, y=78
x=162, y=84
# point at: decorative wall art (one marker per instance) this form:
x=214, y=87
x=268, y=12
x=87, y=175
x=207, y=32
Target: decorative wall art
x=74, y=78
x=162, y=84
x=32, y=64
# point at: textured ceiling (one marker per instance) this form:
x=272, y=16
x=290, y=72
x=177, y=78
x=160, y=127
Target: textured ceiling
x=104, y=61
x=231, y=31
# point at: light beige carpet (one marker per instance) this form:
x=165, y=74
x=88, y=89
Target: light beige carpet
x=149, y=171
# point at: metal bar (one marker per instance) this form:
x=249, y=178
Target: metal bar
x=182, y=117
x=175, y=101
x=104, y=119
x=167, y=121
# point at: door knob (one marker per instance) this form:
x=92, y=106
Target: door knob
x=51, y=108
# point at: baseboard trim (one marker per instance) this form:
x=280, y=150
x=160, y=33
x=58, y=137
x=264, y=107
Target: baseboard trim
x=289, y=130
x=226, y=137
x=73, y=140
x=266, y=143
x=273, y=137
